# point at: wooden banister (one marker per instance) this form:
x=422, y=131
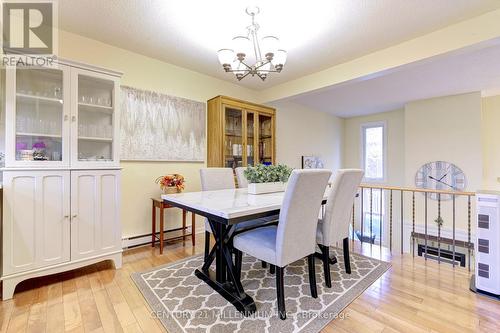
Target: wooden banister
x=415, y=189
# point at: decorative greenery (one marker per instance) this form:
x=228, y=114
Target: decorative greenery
x=439, y=221
x=268, y=173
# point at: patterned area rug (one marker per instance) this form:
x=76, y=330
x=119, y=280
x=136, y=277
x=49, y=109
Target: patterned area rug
x=183, y=303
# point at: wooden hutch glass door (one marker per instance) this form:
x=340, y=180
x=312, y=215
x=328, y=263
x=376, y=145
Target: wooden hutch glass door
x=265, y=130
x=233, y=137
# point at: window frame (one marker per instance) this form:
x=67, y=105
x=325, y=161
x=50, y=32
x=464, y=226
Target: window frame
x=363, y=129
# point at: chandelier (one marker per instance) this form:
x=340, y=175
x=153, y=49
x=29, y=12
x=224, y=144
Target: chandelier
x=266, y=58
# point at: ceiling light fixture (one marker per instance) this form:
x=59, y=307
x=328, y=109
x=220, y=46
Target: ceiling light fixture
x=268, y=58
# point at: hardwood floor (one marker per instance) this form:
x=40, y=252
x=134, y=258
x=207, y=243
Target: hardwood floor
x=413, y=296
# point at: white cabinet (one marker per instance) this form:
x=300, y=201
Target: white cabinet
x=37, y=117
x=36, y=220
x=94, y=119
x=61, y=116
x=61, y=199
x=95, y=209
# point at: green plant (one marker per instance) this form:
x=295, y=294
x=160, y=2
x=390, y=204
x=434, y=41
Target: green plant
x=268, y=173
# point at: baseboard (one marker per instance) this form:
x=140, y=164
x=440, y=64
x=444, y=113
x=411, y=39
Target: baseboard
x=142, y=240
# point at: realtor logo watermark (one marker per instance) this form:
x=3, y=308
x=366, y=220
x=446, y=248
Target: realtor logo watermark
x=29, y=32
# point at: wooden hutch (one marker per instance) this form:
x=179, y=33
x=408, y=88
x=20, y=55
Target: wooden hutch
x=240, y=133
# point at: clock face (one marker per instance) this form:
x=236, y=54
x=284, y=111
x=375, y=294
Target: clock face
x=440, y=175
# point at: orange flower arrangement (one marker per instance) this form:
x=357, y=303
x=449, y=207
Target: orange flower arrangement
x=170, y=182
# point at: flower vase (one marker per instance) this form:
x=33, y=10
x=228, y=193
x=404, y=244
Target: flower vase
x=170, y=190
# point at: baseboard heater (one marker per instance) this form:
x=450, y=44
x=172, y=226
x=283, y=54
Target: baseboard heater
x=443, y=255
x=141, y=240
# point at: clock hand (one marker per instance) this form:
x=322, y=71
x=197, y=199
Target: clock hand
x=446, y=174
x=439, y=181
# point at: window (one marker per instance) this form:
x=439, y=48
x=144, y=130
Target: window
x=373, y=163
x=373, y=158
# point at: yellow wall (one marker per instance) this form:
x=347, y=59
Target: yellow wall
x=146, y=73
x=491, y=142
x=302, y=131
x=447, y=128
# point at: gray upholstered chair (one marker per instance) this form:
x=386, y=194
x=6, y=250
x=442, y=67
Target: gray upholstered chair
x=294, y=236
x=240, y=177
x=334, y=226
x=213, y=179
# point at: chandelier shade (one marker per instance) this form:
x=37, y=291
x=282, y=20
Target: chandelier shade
x=226, y=56
x=269, y=46
x=242, y=45
x=252, y=56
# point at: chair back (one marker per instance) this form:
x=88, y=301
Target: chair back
x=240, y=177
x=338, y=212
x=213, y=179
x=298, y=221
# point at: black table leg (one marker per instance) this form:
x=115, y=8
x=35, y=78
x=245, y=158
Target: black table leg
x=225, y=280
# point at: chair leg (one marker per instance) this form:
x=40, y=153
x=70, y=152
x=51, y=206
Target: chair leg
x=272, y=269
x=312, y=276
x=207, y=244
x=238, y=257
x=347, y=262
x=280, y=291
x=264, y=264
x=325, y=257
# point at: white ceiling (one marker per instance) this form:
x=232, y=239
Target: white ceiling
x=317, y=34
x=467, y=71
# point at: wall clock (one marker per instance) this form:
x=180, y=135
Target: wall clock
x=440, y=175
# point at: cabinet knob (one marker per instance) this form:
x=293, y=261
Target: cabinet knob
x=66, y=216
x=66, y=117
x=74, y=216
x=73, y=119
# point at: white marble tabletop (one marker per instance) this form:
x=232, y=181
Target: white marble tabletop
x=229, y=204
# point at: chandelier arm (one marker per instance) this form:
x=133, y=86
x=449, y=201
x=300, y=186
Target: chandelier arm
x=265, y=63
x=248, y=67
x=246, y=74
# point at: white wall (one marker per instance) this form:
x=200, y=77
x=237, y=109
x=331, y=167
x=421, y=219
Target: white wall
x=303, y=131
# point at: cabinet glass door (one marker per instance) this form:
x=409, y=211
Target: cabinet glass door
x=95, y=120
x=250, y=136
x=233, y=137
x=40, y=130
x=265, y=126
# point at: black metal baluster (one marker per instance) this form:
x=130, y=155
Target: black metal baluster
x=402, y=220
x=439, y=228
x=468, y=230
x=390, y=221
x=413, y=225
x=453, y=262
x=380, y=219
x=362, y=214
x=353, y=210
x=371, y=216
x=425, y=225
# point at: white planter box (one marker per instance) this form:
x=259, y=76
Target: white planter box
x=261, y=188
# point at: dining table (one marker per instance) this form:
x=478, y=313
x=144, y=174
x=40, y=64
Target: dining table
x=224, y=209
